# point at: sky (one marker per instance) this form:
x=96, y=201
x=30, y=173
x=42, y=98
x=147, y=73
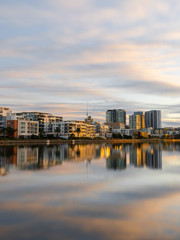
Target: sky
x=58, y=56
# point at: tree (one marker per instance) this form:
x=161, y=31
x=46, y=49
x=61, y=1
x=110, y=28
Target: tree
x=177, y=136
x=117, y=136
x=71, y=136
x=8, y=132
x=78, y=130
x=57, y=130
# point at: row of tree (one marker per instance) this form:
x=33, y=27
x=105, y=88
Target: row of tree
x=7, y=132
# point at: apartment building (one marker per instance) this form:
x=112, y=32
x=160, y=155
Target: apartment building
x=46, y=120
x=116, y=116
x=153, y=119
x=27, y=128
x=135, y=122
x=4, y=114
x=75, y=128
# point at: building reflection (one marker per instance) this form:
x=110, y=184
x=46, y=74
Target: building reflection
x=8, y=156
x=117, y=158
x=4, y=167
x=40, y=157
x=146, y=155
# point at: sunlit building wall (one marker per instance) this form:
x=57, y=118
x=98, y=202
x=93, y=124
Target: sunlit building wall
x=135, y=122
x=142, y=115
x=27, y=128
x=101, y=129
x=45, y=119
x=74, y=128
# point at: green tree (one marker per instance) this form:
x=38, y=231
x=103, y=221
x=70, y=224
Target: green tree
x=57, y=130
x=78, y=130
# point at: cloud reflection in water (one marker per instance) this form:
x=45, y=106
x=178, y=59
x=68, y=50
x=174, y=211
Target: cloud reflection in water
x=78, y=197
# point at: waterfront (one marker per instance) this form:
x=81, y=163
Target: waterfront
x=90, y=191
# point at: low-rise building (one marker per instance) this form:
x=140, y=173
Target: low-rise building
x=46, y=120
x=127, y=132
x=74, y=128
x=12, y=128
x=115, y=126
x=4, y=115
x=27, y=128
x=101, y=129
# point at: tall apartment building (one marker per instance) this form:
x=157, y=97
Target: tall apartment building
x=142, y=116
x=135, y=122
x=116, y=116
x=153, y=119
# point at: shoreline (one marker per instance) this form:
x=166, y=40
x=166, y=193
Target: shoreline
x=80, y=141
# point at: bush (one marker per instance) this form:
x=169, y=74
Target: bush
x=117, y=136
x=127, y=137
x=177, y=136
x=34, y=137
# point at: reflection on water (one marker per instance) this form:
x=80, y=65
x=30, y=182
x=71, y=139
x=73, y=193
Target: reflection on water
x=146, y=155
x=117, y=158
x=43, y=157
x=105, y=191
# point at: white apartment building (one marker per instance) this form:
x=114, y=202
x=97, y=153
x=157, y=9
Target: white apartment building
x=27, y=128
x=46, y=120
x=77, y=128
x=101, y=129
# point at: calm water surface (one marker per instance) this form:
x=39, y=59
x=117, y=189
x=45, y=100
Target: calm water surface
x=89, y=192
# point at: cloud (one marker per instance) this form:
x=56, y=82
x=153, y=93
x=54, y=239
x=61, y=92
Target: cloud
x=88, y=208
x=150, y=87
x=100, y=52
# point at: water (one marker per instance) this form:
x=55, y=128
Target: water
x=125, y=191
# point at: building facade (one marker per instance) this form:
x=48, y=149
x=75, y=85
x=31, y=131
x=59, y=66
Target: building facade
x=74, y=128
x=45, y=120
x=135, y=122
x=4, y=114
x=153, y=119
x=27, y=128
x=101, y=129
x=142, y=116
x=116, y=116
x=12, y=128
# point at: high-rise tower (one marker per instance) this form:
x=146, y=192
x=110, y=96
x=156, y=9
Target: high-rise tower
x=153, y=119
x=116, y=116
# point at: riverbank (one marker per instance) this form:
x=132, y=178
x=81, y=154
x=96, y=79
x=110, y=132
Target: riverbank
x=80, y=141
